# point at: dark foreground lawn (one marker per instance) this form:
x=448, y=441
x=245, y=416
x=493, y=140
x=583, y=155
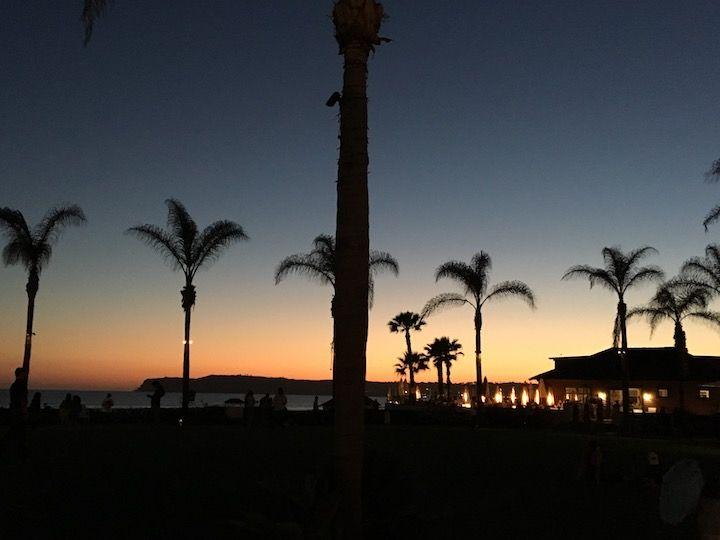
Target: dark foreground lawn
x=142, y=481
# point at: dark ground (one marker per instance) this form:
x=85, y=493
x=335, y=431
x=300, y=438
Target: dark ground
x=145, y=481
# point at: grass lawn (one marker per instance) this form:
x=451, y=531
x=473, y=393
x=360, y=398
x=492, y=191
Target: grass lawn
x=142, y=481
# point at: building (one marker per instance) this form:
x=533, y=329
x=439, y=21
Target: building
x=655, y=376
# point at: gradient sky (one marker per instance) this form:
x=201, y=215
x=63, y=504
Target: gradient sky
x=538, y=132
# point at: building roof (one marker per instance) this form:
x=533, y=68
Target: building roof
x=649, y=363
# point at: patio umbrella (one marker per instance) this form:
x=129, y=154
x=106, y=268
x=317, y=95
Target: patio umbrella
x=680, y=491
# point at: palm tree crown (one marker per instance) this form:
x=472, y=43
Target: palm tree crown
x=443, y=352
x=621, y=272
x=473, y=278
x=319, y=264
x=410, y=364
x=677, y=301
x=405, y=322
x=183, y=245
x=33, y=247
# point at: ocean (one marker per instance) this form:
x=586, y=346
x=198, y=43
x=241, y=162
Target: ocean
x=137, y=400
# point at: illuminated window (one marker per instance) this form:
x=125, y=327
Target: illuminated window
x=571, y=393
x=663, y=392
x=704, y=394
x=583, y=394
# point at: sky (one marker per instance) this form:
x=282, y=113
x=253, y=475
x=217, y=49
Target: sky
x=537, y=132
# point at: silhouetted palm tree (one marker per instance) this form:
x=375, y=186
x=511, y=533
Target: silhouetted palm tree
x=677, y=301
x=411, y=363
x=32, y=248
x=473, y=278
x=621, y=272
x=704, y=271
x=406, y=322
x=713, y=175
x=357, y=23
x=319, y=265
x=443, y=352
x=188, y=249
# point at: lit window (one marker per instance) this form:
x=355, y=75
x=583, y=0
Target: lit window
x=663, y=392
x=704, y=394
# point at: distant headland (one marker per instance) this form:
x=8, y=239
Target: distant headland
x=239, y=384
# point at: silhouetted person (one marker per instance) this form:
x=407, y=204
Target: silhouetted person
x=279, y=405
x=316, y=405
x=108, y=403
x=75, y=408
x=65, y=407
x=34, y=409
x=18, y=412
x=249, y=408
x=266, y=408
x=155, y=399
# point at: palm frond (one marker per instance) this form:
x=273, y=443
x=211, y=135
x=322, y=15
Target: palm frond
x=49, y=229
x=214, y=239
x=163, y=243
x=13, y=224
x=711, y=217
x=594, y=276
x=182, y=227
x=304, y=265
x=380, y=260
x=92, y=10
x=442, y=301
x=324, y=243
x=646, y=273
x=512, y=288
x=455, y=270
x=653, y=315
x=712, y=317
x=713, y=174
x=639, y=253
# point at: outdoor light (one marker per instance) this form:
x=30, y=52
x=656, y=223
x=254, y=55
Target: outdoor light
x=602, y=396
x=647, y=396
x=550, y=400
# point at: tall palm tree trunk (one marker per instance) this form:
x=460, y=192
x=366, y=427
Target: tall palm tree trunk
x=625, y=364
x=478, y=360
x=682, y=352
x=31, y=288
x=411, y=393
x=447, y=379
x=440, y=380
x=188, y=301
x=351, y=297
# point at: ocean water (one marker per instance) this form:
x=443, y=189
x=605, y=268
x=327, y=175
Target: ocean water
x=134, y=400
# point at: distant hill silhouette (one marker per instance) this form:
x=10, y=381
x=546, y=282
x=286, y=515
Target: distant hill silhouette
x=239, y=384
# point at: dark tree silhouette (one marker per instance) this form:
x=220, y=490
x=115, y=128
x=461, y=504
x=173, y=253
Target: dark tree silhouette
x=188, y=250
x=32, y=248
x=411, y=363
x=622, y=271
x=357, y=23
x=704, y=271
x=713, y=175
x=473, y=278
x=406, y=322
x=443, y=352
x=676, y=301
x=319, y=265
